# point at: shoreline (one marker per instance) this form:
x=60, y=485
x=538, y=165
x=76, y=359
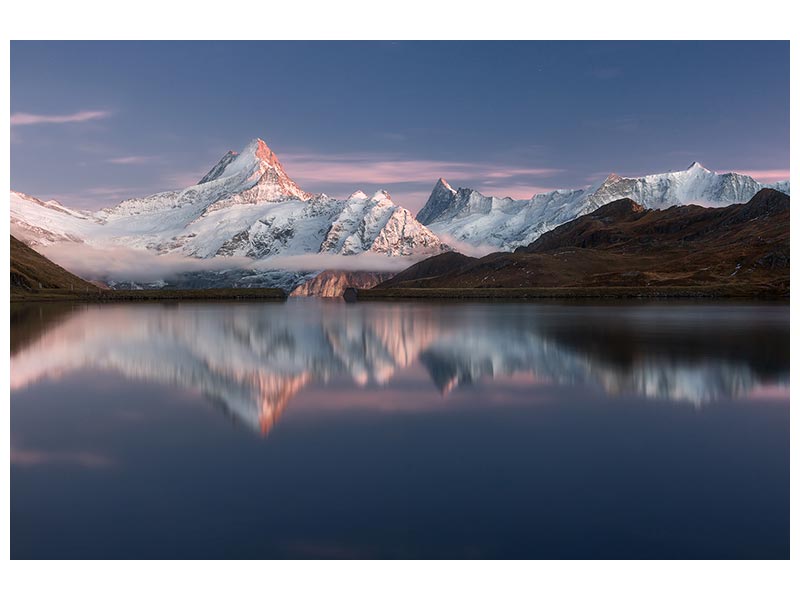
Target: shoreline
x=104, y=296
x=665, y=292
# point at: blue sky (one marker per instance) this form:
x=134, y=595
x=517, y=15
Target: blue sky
x=94, y=123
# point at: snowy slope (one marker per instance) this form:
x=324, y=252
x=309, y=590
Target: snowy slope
x=36, y=222
x=471, y=217
x=245, y=206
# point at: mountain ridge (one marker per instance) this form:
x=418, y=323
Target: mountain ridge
x=468, y=216
x=246, y=206
x=622, y=244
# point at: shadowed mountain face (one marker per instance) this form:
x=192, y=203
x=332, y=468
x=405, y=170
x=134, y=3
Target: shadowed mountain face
x=252, y=359
x=624, y=244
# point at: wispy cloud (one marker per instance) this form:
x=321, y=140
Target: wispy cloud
x=22, y=118
x=376, y=170
x=513, y=191
x=762, y=175
x=177, y=180
x=131, y=160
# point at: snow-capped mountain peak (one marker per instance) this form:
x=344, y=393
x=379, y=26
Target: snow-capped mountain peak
x=258, y=170
x=439, y=201
x=696, y=166
x=382, y=196
x=442, y=183
x=357, y=195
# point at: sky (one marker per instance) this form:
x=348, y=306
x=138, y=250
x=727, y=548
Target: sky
x=94, y=123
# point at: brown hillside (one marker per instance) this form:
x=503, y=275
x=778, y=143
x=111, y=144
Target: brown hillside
x=623, y=245
x=32, y=273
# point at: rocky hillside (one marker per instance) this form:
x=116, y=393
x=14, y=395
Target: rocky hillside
x=624, y=244
x=332, y=284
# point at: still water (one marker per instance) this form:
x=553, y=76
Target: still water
x=317, y=429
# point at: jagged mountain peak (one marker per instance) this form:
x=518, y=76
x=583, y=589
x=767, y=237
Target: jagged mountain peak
x=696, y=166
x=442, y=196
x=442, y=184
x=259, y=149
x=357, y=195
x=258, y=173
x=382, y=195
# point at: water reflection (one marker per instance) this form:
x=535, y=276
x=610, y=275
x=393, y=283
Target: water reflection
x=253, y=358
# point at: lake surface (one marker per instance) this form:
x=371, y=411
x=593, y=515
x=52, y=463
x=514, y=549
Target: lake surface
x=317, y=429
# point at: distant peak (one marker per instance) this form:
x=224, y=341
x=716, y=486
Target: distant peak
x=382, y=197
x=696, y=166
x=358, y=195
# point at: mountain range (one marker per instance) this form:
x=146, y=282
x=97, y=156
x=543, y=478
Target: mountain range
x=742, y=248
x=245, y=206
x=468, y=216
x=247, y=209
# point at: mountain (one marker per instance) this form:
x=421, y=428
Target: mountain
x=248, y=213
x=245, y=206
x=470, y=217
x=32, y=273
x=624, y=244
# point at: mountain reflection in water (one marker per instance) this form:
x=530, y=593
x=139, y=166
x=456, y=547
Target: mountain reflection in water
x=254, y=358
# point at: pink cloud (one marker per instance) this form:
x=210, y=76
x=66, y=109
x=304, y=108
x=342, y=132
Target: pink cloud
x=38, y=119
x=518, y=192
x=762, y=175
x=179, y=180
x=131, y=160
x=368, y=169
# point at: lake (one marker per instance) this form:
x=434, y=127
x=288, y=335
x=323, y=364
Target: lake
x=319, y=429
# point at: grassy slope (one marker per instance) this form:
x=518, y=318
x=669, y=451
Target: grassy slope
x=32, y=273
